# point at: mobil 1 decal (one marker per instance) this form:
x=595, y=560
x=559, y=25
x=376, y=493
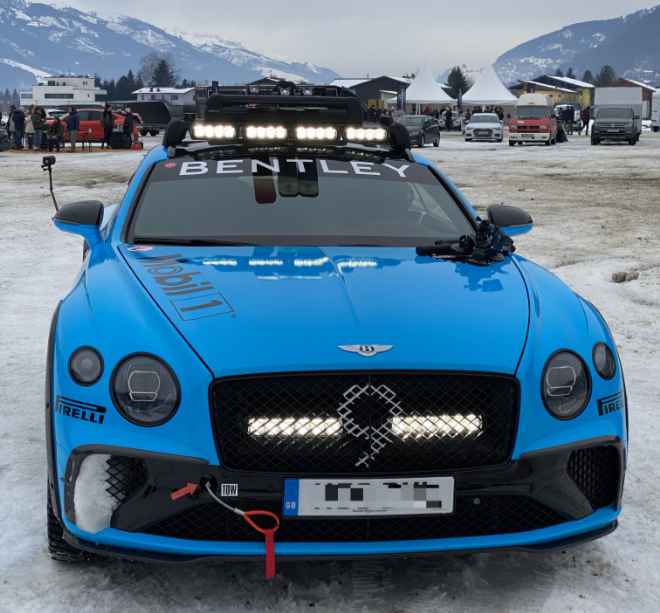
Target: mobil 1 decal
x=300, y=167
x=191, y=294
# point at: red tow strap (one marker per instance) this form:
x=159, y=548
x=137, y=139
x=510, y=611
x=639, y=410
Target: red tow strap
x=269, y=537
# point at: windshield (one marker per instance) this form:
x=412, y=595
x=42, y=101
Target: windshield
x=413, y=121
x=614, y=114
x=284, y=201
x=485, y=119
x=532, y=112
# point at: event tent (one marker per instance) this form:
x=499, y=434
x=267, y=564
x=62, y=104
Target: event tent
x=426, y=90
x=489, y=90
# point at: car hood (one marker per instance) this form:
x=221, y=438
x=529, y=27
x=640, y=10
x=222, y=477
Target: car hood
x=250, y=310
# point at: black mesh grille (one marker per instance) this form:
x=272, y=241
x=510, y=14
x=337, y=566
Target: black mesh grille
x=377, y=423
x=125, y=477
x=473, y=517
x=596, y=472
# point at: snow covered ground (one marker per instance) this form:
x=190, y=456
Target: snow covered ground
x=597, y=211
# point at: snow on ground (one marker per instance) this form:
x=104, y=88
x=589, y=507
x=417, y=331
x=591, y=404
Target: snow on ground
x=597, y=211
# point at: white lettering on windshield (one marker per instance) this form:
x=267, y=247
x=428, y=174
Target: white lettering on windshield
x=326, y=169
x=229, y=167
x=401, y=171
x=275, y=167
x=363, y=168
x=300, y=164
x=193, y=168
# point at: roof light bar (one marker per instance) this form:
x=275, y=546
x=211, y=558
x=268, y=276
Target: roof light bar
x=316, y=133
x=366, y=134
x=266, y=132
x=211, y=131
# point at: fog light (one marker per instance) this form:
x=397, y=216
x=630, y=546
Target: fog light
x=86, y=366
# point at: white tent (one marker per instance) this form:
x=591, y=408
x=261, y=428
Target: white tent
x=489, y=91
x=426, y=90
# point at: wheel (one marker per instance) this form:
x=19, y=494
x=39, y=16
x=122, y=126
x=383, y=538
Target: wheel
x=58, y=548
x=421, y=141
x=548, y=143
x=436, y=142
x=143, y=132
x=153, y=133
x=512, y=143
x=594, y=140
x=656, y=128
x=468, y=140
x=500, y=140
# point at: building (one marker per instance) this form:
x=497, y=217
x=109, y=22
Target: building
x=556, y=93
x=64, y=91
x=375, y=93
x=647, y=94
x=170, y=95
x=583, y=90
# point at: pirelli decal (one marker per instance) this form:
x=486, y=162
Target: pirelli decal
x=611, y=404
x=82, y=411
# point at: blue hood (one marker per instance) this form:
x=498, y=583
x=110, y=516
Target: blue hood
x=250, y=310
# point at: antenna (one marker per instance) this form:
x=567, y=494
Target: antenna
x=47, y=164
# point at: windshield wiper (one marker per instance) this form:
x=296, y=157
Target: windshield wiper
x=191, y=242
x=489, y=244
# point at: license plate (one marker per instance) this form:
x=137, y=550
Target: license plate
x=368, y=497
x=614, y=131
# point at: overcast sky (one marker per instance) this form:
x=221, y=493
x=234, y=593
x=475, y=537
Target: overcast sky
x=379, y=36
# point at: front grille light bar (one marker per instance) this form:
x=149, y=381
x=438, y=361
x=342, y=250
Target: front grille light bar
x=409, y=427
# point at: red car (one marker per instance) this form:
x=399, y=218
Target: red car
x=91, y=125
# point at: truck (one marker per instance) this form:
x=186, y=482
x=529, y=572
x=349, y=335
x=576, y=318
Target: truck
x=655, y=113
x=617, y=115
x=534, y=121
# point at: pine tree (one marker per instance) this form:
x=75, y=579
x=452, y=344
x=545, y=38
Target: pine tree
x=559, y=73
x=588, y=77
x=570, y=74
x=163, y=75
x=606, y=76
x=457, y=82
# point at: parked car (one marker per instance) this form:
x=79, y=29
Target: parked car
x=616, y=124
x=484, y=127
x=91, y=127
x=423, y=129
x=535, y=121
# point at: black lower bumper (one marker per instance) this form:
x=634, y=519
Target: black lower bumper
x=539, y=490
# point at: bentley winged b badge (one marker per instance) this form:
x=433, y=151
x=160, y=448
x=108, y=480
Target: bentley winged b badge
x=367, y=351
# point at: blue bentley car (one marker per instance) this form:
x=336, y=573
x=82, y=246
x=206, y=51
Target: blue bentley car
x=293, y=339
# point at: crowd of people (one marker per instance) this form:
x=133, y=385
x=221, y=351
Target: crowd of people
x=33, y=130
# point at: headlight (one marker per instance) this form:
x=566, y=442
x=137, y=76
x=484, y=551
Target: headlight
x=86, y=366
x=604, y=361
x=145, y=390
x=566, y=385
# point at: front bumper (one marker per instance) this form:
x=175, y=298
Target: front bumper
x=613, y=135
x=544, y=499
x=529, y=137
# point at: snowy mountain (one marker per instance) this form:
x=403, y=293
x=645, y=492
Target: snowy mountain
x=630, y=44
x=38, y=39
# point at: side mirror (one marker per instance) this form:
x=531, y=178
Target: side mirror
x=510, y=219
x=82, y=218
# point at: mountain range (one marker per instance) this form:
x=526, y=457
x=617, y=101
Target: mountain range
x=38, y=39
x=630, y=44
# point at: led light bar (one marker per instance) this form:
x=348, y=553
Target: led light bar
x=266, y=132
x=366, y=134
x=294, y=427
x=438, y=426
x=316, y=133
x=211, y=131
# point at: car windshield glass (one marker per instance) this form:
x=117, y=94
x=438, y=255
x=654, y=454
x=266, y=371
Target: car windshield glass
x=413, y=121
x=532, y=112
x=297, y=201
x=484, y=119
x=614, y=114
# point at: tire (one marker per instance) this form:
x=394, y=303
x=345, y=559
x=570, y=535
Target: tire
x=421, y=141
x=656, y=128
x=143, y=132
x=436, y=142
x=512, y=143
x=594, y=141
x=153, y=132
x=58, y=548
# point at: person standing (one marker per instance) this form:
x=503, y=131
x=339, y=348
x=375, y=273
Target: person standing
x=449, y=120
x=129, y=126
x=29, y=129
x=586, y=118
x=73, y=126
x=10, y=125
x=38, y=116
x=108, y=121
x=19, y=127
x=55, y=134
